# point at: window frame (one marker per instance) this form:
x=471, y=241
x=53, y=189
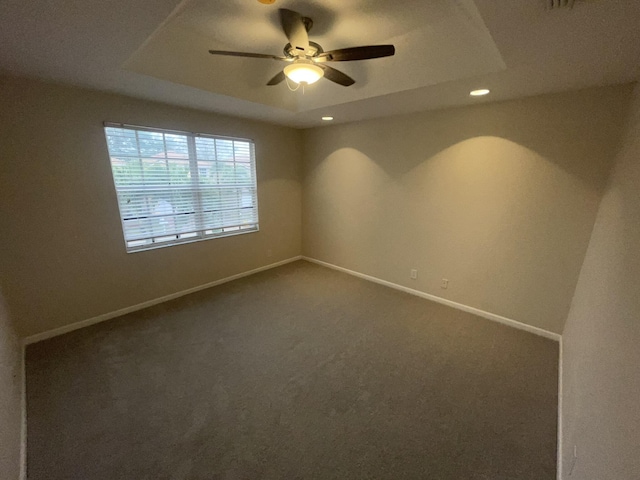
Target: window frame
x=194, y=168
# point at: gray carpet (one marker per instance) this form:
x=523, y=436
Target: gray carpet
x=297, y=372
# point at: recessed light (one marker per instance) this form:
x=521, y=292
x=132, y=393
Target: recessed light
x=327, y=119
x=480, y=92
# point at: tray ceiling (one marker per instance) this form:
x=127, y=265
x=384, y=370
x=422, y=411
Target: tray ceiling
x=436, y=41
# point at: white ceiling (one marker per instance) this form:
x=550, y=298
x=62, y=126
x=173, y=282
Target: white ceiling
x=157, y=49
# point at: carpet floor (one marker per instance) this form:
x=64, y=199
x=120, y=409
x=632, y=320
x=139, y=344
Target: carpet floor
x=298, y=372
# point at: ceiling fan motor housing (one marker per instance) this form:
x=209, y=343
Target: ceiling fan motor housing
x=314, y=50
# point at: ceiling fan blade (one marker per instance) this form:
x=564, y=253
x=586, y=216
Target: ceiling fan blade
x=245, y=54
x=279, y=78
x=295, y=30
x=337, y=76
x=356, y=53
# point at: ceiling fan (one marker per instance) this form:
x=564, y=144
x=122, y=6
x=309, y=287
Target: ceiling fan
x=307, y=60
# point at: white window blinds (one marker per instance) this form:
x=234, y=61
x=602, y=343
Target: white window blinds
x=177, y=187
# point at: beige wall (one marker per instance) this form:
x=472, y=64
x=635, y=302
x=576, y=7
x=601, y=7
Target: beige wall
x=601, y=353
x=62, y=255
x=10, y=397
x=498, y=198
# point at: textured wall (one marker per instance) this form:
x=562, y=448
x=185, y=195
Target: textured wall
x=10, y=397
x=62, y=253
x=601, y=357
x=498, y=198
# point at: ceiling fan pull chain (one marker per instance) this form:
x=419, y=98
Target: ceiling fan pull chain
x=289, y=85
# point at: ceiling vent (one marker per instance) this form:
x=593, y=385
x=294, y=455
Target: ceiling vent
x=564, y=4
x=558, y=4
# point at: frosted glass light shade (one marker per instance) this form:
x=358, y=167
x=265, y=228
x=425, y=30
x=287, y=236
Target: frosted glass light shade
x=303, y=71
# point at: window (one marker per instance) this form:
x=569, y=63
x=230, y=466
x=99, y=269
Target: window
x=178, y=187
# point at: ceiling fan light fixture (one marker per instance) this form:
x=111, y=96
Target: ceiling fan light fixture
x=303, y=71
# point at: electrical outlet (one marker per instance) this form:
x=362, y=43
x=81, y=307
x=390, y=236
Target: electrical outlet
x=444, y=283
x=414, y=273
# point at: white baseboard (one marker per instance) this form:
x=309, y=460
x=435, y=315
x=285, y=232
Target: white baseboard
x=465, y=308
x=23, y=414
x=560, y=391
x=38, y=337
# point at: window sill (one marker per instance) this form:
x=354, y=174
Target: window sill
x=144, y=248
